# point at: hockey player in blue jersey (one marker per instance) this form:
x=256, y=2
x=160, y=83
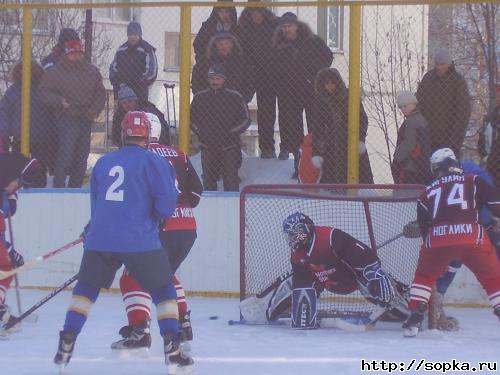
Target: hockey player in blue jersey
x=131, y=190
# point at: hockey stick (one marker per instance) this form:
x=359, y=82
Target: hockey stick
x=410, y=230
x=41, y=258
x=16, y=279
x=36, y=306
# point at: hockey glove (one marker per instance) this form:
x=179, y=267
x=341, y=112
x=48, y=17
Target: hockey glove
x=16, y=259
x=378, y=284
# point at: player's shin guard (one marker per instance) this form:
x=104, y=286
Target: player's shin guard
x=166, y=309
x=304, y=308
x=83, y=299
x=137, y=302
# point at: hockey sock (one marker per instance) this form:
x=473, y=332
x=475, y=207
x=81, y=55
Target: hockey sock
x=419, y=293
x=4, y=266
x=444, y=282
x=137, y=302
x=82, y=300
x=181, y=296
x=492, y=287
x=166, y=309
x=3, y=290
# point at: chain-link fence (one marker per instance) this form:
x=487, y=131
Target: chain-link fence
x=241, y=87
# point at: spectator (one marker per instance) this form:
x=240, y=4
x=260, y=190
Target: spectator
x=255, y=31
x=128, y=101
x=134, y=63
x=410, y=164
x=298, y=56
x=218, y=117
x=73, y=90
x=41, y=135
x=444, y=100
x=330, y=129
x=220, y=20
x=489, y=139
x=66, y=35
x=225, y=50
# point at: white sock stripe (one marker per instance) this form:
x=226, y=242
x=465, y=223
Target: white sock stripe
x=80, y=304
x=421, y=286
x=181, y=300
x=419, y=293
x=418, y=298
x=180, y=293
x=167, y=309
x=137, y=301
x=136, y=293
x=494, y=294
x=4, y=288
x=2, y=296
x=137, y=308
x=495, y=301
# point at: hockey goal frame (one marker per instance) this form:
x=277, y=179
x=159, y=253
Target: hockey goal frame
x=314, y=191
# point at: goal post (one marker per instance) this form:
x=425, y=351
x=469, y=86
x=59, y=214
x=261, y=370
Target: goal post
x=374, y=214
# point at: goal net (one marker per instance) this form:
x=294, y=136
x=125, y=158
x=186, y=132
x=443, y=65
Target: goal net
x=374, y=214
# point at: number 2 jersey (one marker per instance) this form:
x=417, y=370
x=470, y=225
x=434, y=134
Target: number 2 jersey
x=188, y=184
x=448, y=210
x=131, y=190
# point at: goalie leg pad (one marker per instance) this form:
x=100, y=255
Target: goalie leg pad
x=304, y=308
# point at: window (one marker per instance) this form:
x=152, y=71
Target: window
x=113, y=14
x=335, y=27
x=172, y=51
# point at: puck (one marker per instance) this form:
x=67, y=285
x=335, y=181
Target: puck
x=214, y=317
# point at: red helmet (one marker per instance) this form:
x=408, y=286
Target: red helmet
x=135, y=124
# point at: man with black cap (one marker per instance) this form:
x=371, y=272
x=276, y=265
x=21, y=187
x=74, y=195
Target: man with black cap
x=16, y=171
x=128, y=101
x=218, y=116
x=298, y=56
x=134, y=64
x=445, y=103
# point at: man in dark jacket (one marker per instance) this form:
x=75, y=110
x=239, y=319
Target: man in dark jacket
x=444, y=101
x=220, y=20
x=489, y=140
x=128, y=101
x=218, y=116
x=225, y=50
x=298, y=56
x=255, y=31
x=74, y=91
x=134, y=63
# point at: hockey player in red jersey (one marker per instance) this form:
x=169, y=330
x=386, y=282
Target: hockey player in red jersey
x=177, y=236
x=16, y=171
x=447, y=215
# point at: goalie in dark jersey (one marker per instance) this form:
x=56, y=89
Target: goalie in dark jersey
x=324, y=257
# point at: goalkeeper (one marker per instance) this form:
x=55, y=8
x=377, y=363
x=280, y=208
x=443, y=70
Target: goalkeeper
x=325, y=257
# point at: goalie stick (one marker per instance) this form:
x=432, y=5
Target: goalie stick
x=36, y=306
x=41, y=258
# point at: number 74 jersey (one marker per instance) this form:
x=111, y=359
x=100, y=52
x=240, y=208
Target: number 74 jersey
x=448, y=210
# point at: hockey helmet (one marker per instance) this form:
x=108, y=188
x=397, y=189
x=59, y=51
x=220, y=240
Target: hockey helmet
x=298, y=229
x=155, y=125
x=16, y=165
x=136, y=124
x=444, y=161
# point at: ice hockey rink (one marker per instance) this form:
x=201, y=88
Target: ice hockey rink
x=220, y=349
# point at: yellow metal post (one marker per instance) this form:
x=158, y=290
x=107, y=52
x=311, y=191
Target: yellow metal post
x=26, y=81
x=184, y=80
x=354, y=94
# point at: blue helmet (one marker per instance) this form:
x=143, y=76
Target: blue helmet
x=298, y=228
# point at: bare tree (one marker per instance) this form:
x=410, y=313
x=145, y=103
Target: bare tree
x=391, y=62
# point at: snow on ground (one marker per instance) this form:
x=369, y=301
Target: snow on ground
x=220, y=349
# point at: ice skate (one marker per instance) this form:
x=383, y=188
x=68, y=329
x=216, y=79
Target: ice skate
x=65, y=349
x=134, y=338
x=6, y=318
x=178, y=362
x=414, y=322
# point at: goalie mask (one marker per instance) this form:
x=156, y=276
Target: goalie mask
x=443, y=161
x=299, y=229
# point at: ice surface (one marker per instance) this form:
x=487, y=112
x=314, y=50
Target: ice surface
x=220, y=349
